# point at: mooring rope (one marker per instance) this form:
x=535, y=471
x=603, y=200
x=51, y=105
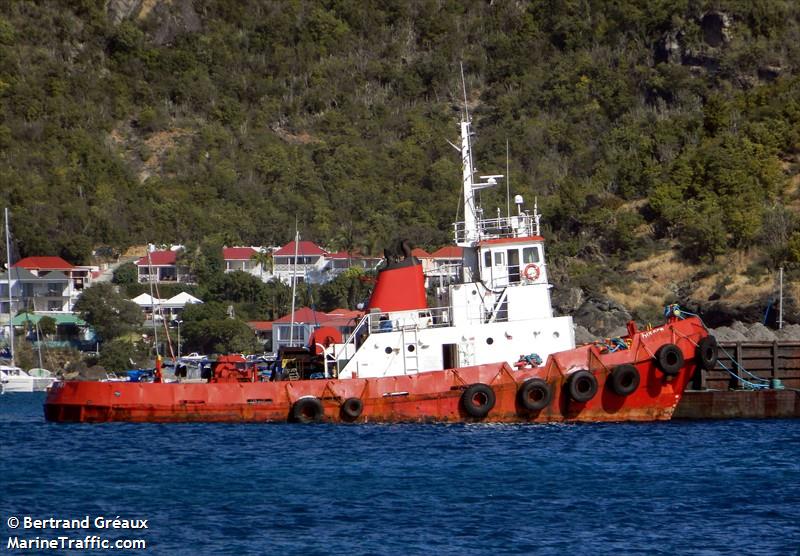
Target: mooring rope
x=763, y=383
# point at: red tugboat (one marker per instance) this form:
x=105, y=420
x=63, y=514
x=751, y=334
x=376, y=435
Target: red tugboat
x=492, y=352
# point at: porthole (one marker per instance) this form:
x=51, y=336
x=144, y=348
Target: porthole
x=411, y=348
x=388, y=350
x=556, y=334
x=490, y=341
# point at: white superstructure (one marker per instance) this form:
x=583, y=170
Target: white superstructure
x=500, y=310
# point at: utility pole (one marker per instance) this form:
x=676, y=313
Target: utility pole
x=780, y=298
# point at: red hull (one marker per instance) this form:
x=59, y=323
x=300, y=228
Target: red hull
x=425, y=397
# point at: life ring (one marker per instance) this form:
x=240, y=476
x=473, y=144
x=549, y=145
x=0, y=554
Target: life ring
x=669, y=359
x=351, y=409
x=624, y=379
x=707, y=352
x=478, y=400
x=582, y=386
x=534, y=394
x=531, y=272
x=307, y=410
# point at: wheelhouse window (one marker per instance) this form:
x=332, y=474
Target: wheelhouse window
x=513, y=265
x=499, y=258
x=530, y=255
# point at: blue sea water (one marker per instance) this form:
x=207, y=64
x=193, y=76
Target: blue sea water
x=705, y=488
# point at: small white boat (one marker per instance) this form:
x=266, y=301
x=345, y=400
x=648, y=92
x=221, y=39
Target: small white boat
x=15, y=379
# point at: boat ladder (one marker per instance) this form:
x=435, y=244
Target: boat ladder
x=410, y=346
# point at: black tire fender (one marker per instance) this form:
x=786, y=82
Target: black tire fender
x=534, y=394
x=624, y=379
x=351, y=409
x=669, y=358
x=582, y=386
x=478, y=400
x=307, y=410
x=707, y=352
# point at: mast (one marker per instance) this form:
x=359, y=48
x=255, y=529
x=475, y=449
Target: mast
x=152, y=299
x=8, y=276
x=294, y=280
x=472, y=212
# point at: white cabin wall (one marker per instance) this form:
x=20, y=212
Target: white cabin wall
x=529, y=302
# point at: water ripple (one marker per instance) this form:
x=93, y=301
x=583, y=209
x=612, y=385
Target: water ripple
x=702, y=488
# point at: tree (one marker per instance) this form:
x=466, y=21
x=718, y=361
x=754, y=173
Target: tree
x=47, y=326
x=110, y=314
x=264, y=259
x=126, y=274
x=207, y=328
x=120, y=354
x=348, y=289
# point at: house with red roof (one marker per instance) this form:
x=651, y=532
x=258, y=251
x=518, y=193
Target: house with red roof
x=295, y=329
x=342, y=260
x=162, y=266
x=304, y=261
x=32, y=293
x=446, y=265
x=245, y=259
x=53, y=284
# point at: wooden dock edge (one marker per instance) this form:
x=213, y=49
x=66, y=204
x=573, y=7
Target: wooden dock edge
x=738, y=404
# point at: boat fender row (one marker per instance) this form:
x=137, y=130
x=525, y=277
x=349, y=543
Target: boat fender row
x=669, y=358
x=309, y=409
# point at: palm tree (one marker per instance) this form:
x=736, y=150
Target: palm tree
x=264, y=258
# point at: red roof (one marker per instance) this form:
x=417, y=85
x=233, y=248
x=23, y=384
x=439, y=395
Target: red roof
x=345, y=255
x=260, y=325
x=347, y=313
x=238, y=253
x=159, y=258
x=304, y=249
x=302, y=315
x=337, y=321
x=43, y=263
x=448, y=252
x=420, y=253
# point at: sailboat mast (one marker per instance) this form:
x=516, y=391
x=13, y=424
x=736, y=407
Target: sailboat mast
x=152, y=299
x=8, y=276
x=294, y=280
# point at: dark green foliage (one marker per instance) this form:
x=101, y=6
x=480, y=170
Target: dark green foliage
x=224, y=124
x=47, y=326
x=346, y=291
x=126, y=274
x=121, y=354
x=109, y=313
x=208, y=328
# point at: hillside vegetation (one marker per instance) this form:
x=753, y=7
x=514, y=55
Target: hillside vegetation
x=640, y=126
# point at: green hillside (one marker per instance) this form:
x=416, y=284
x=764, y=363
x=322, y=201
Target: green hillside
x=635, y=123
